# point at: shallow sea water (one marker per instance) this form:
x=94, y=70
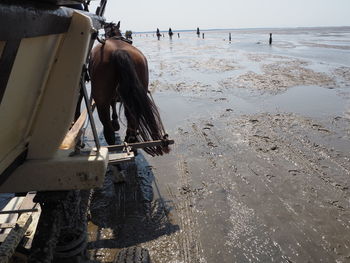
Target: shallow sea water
x=186, y=72
x=245, y=116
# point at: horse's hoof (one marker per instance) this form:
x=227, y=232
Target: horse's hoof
x=130, y=139
x=110, y=137
x=115, y=125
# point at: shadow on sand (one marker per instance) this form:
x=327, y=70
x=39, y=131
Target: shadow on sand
x=128, y=207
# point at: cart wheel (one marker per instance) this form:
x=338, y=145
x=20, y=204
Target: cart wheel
x=133, y=255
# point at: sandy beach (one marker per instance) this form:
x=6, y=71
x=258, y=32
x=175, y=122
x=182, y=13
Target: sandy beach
x=260, y=169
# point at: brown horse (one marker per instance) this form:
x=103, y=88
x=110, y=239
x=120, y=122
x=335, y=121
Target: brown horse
x=119, y=73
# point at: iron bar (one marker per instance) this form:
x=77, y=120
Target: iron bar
x=139, y=145
x=19, y=211
x=89, y=110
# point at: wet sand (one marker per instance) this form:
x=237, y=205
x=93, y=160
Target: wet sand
x=261, y=166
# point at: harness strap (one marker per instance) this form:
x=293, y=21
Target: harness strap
x=122, y=39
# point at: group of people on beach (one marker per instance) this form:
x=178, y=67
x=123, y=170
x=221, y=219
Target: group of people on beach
x=170, y=33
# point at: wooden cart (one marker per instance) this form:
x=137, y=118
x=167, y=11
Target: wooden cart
x=44, y=47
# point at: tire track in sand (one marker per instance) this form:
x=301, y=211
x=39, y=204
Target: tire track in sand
x=188, y=238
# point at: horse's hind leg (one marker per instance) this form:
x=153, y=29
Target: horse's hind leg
x=104, y=115
x=115, y=122
x=131, y=131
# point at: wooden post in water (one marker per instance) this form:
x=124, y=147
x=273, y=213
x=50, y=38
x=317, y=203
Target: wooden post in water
x=203, y=35
x=270, y=40
x=229, y=37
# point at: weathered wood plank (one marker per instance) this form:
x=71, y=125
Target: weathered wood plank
x=7, y=225
x=74, y=133
x=16, y=234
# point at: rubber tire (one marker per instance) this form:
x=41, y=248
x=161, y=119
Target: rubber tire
x=133, y=255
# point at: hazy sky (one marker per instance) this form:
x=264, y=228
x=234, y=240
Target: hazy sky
x=145, y=15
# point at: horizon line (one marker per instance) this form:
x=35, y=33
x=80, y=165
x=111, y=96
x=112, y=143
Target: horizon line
x=243, y=28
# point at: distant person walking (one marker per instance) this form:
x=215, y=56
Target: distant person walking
x=270, y=40
x=198, y=32
x=158, y=34
x=128, y=34
x=170, y=33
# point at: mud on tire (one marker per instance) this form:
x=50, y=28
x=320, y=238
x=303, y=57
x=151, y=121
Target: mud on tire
x=133, y=255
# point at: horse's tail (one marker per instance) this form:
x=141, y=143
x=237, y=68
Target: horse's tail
x=141, y=108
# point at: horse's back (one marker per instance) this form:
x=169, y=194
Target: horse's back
x=101, y=54
x=138, y=58
x=103, y=71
